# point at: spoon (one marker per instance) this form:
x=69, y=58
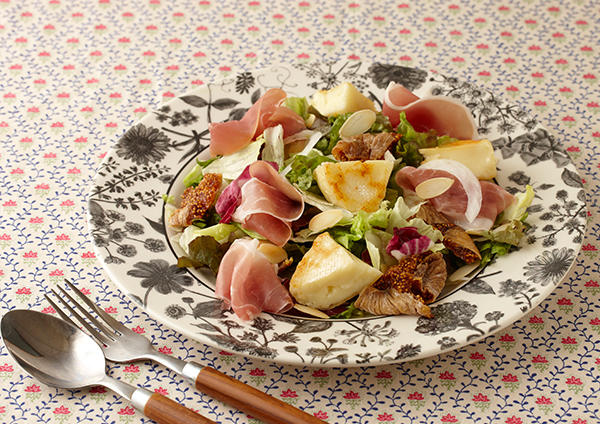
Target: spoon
x=61, y=355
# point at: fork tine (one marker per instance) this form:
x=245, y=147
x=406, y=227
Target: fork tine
x=103, y=329
x=59, y=310
x=110, y=321
x=91, y=330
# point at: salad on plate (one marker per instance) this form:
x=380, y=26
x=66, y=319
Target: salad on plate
x=332, y=207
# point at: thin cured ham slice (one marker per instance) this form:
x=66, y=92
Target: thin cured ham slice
x=284, y=116
x=248, y=283
x=440, y=113
x=453, y=202
x=266, y=202
x=229, y=137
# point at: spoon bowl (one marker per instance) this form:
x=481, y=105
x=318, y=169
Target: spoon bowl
x=61, y=355
x=51, y=350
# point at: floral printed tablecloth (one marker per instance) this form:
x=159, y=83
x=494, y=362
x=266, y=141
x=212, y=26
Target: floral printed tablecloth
x=74, y=75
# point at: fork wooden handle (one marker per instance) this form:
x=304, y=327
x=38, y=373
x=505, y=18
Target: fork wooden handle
x=250, y=400
x=166, y=411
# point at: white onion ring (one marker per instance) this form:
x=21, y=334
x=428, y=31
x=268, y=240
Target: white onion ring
x=466, y=178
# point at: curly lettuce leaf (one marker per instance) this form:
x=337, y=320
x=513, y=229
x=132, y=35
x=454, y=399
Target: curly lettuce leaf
x=328, y=142
x=231, y=166
x=302, y=167
x=298, y=105
x=518, y=209
x=381, y=124
x=219, y=232
x=204, y=251
x=491, y=249
x=194, y=177
x=412, y=140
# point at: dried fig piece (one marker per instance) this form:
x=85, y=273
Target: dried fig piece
x=455, y=238
x=195, y=201
x=364, y=147
x=406, y=288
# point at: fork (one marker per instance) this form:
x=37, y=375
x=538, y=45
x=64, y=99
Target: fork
x=121, y=344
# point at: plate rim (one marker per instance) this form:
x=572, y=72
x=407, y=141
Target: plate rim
x=197, y=337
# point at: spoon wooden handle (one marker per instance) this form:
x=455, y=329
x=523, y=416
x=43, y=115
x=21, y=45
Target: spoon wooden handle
x=250, y=400
x=165, y=411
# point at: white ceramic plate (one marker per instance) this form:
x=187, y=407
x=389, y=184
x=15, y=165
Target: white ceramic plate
x=127, y=223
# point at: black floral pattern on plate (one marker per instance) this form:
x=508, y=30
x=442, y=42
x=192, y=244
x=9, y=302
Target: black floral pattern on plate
x=159, y=275
x=111, y=232
x=175, y=118
x=411, y=78
x=143, y=145
x=533, y=148
x=490, y=113
x=131, y=178
x=550, y=266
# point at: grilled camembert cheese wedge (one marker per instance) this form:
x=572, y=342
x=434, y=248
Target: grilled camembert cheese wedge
x=345, y=98
x=477, y=155
x=354, y=185
x=328, y=275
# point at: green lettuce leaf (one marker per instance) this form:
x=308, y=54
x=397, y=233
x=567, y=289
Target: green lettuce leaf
x=377, y=242
x=194, y=177
x=298, y=105
x=510, y=232
x=328, y=142
x=491, y=249
x=219, y=232
x=411, y=141
x=381, y=217
x=204, y=251
x=231, y=166
x=381, y=124
x=302, y=167
x=518, y=209
x=350, y=312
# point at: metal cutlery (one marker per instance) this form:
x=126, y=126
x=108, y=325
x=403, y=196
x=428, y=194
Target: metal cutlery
x=121, y=344
x=59, y=354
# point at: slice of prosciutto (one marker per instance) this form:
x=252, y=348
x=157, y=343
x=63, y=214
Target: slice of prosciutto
x=229, y=137
x=268, y=203
x=453, y=202
x=248, y=283
x=440, y=113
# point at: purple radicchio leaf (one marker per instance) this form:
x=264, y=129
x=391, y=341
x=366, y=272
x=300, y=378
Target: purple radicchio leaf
x=407, y=241
x=231, y=197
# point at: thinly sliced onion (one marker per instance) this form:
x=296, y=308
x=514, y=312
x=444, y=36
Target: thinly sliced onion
x=312, y=142
x=477, y=226
x=466, y=178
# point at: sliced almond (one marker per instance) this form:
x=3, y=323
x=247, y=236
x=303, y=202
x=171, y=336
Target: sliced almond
x=463, y=272
x=325, y=219
x=433, y=187
x=389, y=156
x=310, y=120
x=274, y=254
x=358, y=123
x=310, y=311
